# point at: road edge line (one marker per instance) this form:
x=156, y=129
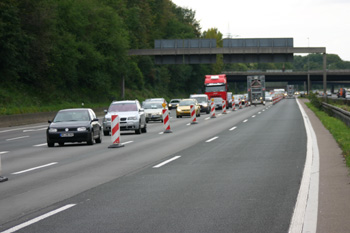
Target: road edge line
x=304, y=217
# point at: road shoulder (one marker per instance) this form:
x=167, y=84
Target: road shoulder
x=334, y=180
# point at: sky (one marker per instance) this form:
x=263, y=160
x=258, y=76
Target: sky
x=311, y=23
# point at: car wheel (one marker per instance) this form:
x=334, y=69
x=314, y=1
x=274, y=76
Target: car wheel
x=99, y=139
x=138, y=131
x=177, y=116
x=144, y=129
x=90, y=141
x=147, y=120
x=50, y=144
x=106, y=132
x=61, y=143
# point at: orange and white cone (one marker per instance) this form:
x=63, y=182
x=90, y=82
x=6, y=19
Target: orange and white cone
x=115, y=128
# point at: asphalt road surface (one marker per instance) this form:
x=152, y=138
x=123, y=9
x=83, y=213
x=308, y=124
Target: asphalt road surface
x=239, y=172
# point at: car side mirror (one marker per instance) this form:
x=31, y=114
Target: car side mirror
x=49, y=122
x=141, y=110
x=105, y=111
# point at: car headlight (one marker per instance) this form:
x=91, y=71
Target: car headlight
x=178, y=109
x=81, y=129
x=106, y=119
x=132, y=118
x=52, y=130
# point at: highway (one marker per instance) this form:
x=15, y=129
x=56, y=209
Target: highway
x=239, y=172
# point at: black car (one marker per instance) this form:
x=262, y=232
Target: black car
x=74, y=125
x=173, y=103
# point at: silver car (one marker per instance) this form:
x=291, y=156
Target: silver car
x=153, y=111
x=131, y=115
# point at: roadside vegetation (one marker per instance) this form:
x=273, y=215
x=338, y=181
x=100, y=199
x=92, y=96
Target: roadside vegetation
x=57, y=54
x=339, y=130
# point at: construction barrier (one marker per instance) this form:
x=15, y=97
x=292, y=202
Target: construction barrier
x=212, y=113
x=224, y=107
x=166, y=121
x=193, y=115
x=233, y=104
x=115, y=129
x=239, y=103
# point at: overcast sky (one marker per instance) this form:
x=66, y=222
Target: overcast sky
x=318, y=23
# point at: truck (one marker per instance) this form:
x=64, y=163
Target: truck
x=290, y=91
x=256, y=89
x=216, y=86
x=341, y=93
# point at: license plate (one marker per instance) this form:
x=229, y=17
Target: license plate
x=65, y=135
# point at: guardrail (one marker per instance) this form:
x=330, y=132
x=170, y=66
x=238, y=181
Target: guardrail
x=337, y=112
x=33, y=118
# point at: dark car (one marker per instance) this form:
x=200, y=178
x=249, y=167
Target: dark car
x=173, y=103
x=74, y=125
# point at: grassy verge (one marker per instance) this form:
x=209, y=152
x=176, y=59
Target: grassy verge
x=339, y=130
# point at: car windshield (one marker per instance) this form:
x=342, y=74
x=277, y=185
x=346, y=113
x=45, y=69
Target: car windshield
x=175, y=101
x=186, y=103
x=122, y=107
x=218, y=100
x=200, y=99
x=74, y=115
x=215, y=88
x=150, y=105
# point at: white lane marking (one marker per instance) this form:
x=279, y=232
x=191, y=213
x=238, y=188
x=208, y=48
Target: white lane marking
x=43, y=144
x=9, y=130
x=233, y=128
x=161, y=132
x=306, y=207
x=124, y=143
x=212, y=139
x=10, y=139
x=34, y=168
x=263, y=110
x=245, y=120
x=207, y=118
x=4, y=152
x=188, y=124
x=254, y=116
x=259, y=112
x=37, y=219
x=167, y=161
x=31, y=130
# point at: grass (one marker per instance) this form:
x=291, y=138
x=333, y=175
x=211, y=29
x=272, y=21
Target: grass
x=339, y=130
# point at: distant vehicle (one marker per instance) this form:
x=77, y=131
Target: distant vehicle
x=216, y=86
x=290, y=91
x=184, y=108
x=153, y=111
x=236, y=99
x=203, y=101
x=173, y=103
x=218, y=102
x=341, y=93
x=268, y=96
x=155, y=100
x=132, y=116
x=329, y=93
x=229, y=100
x=347, y=95
x=74, y=125
x=256, y=89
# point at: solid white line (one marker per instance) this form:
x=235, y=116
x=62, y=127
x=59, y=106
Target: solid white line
x=31, y=130
x=245, y=120
x=124, y=143
x=44, y=144
x=34, y=168
x=10, y=139
x=212, y=139
x=37, y=219
x=4, y=152
x=9, y=130
x=168, y=161
x=306, y=208
x=233, y=128
x=254, y=116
